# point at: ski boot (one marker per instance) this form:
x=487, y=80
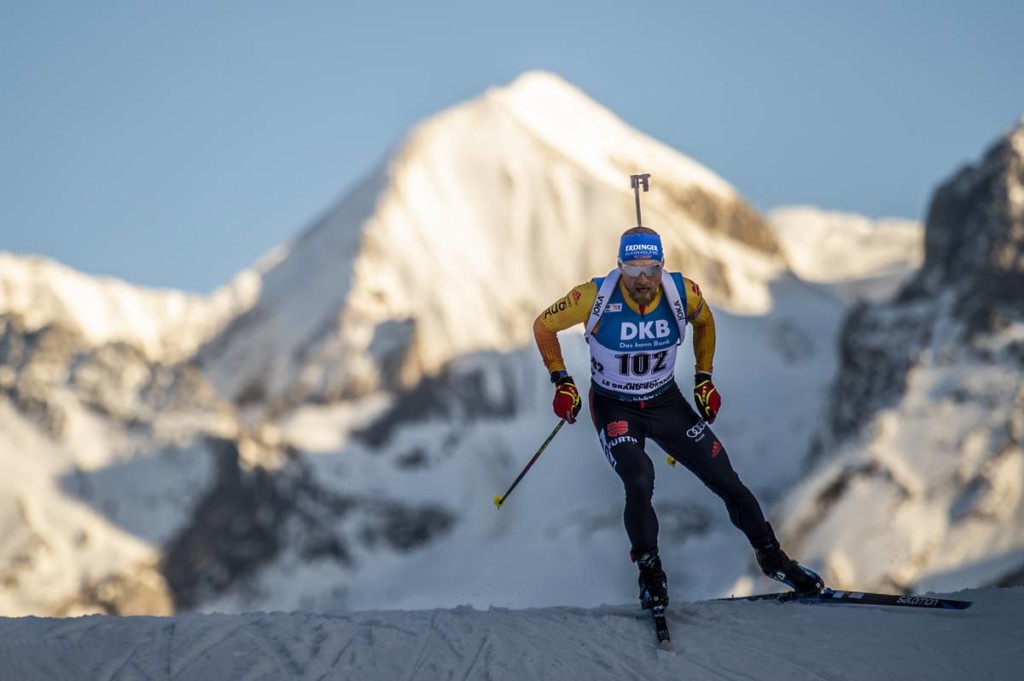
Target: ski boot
x=774, y=563
x=653, y=585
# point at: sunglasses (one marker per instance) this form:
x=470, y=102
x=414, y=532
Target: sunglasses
x=635, y=270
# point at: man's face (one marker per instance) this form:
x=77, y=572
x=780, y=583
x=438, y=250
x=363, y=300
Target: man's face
x=644, y=285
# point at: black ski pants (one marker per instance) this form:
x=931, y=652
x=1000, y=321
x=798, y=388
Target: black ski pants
x=670, y=421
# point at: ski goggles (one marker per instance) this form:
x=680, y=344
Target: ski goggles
x=634, y=271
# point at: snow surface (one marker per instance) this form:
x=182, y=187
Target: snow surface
x=713, y=640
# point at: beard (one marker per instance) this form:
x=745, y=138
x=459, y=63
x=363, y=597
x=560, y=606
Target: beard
x=643, y=294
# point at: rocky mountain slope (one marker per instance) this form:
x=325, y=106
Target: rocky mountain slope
x=922, y=475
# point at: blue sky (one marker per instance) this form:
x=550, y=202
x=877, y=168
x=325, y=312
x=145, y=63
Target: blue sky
x=173, y=144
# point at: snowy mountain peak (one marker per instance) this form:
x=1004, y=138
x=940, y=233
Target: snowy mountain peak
x=975, y=226
x=563, y=116
x=1017, y=132
x=483, y=216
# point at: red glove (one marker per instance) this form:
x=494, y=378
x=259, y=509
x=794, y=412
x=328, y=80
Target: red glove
x=567, y=401
x=706, y=397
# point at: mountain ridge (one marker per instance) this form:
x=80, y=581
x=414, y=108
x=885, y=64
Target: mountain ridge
x=166, y=324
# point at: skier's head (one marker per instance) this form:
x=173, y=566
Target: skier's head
x=640, y=261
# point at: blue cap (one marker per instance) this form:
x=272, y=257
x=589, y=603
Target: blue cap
x=640, y=247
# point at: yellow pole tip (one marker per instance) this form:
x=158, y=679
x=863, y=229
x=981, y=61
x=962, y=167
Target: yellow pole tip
x=671, y=461
x=498, y=501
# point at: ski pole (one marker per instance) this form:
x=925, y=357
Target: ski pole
x=636, y=181
x=499, y=500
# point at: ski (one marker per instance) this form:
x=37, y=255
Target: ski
x=661, y=627
x=858, y=598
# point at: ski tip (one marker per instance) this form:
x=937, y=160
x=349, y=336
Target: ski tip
x=666, y=647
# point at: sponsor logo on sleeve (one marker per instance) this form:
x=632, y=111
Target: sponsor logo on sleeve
x=560, y=306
